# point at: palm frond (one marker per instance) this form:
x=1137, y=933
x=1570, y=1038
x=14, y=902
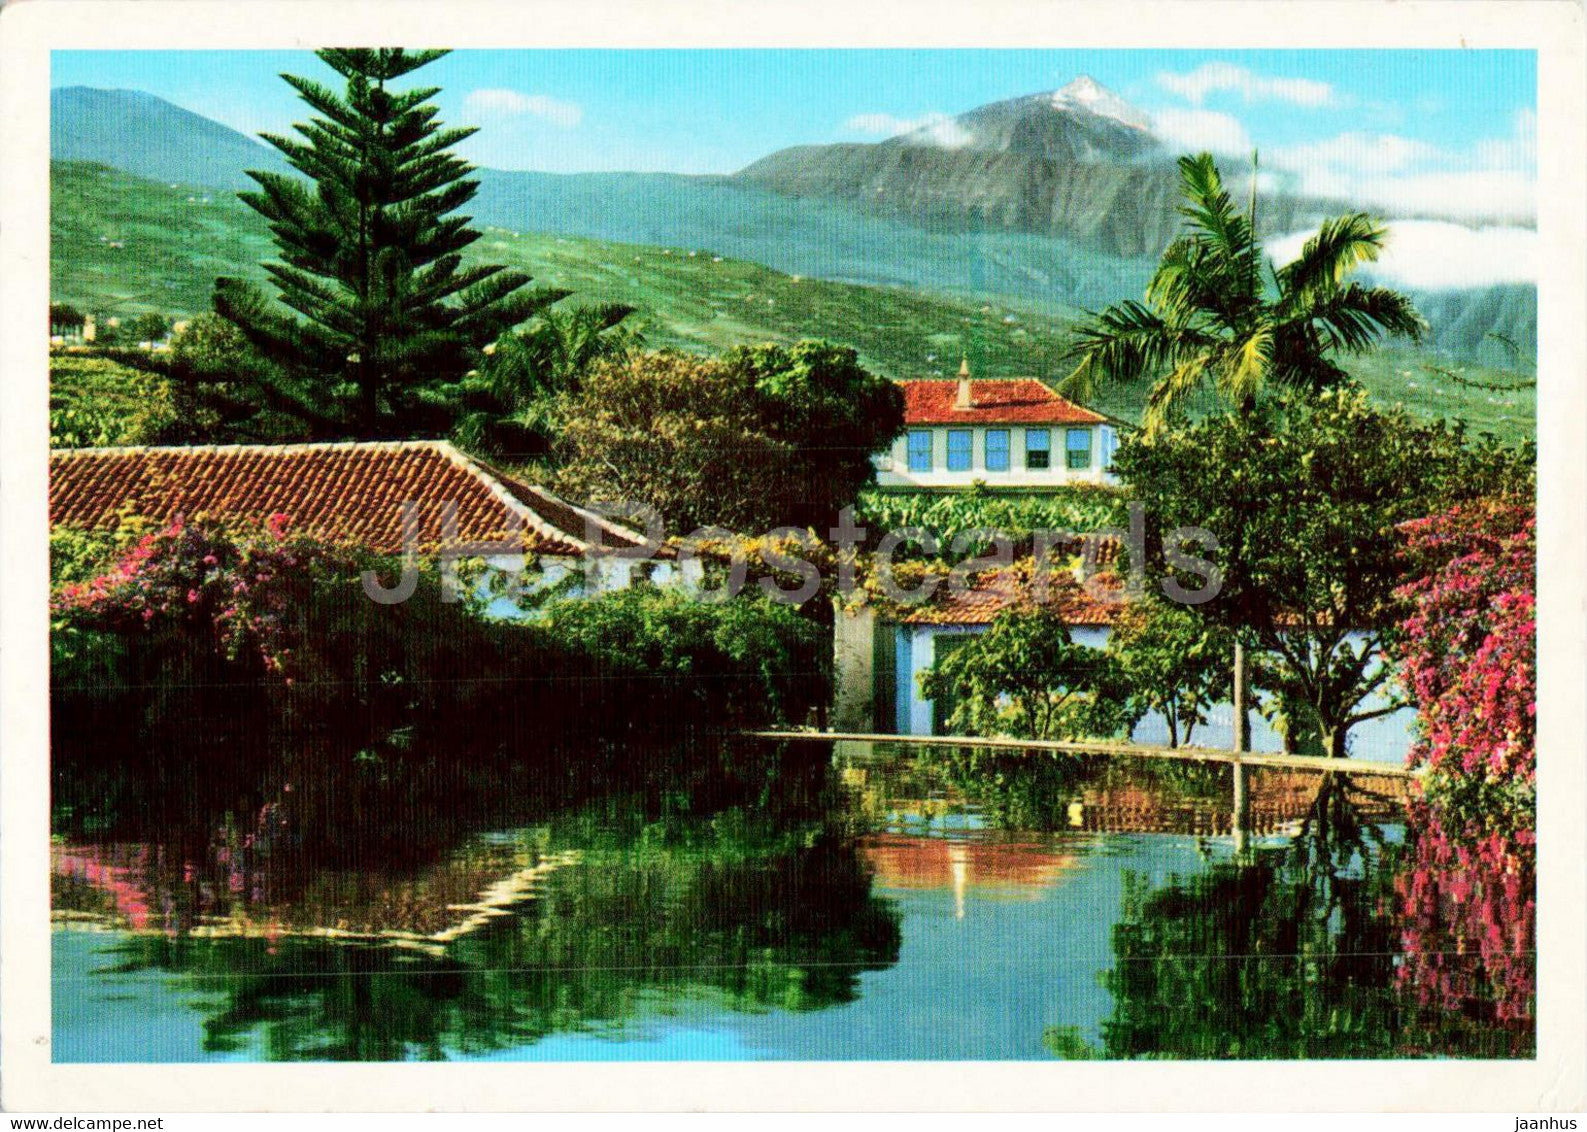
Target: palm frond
x=1300, y=360
x=1127, y=342
x=1341, y=244
x=1245, y=366
x=1173, y=391
x=1212, y=213
x=1354, y=317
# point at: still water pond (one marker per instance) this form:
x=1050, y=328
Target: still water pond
x=800, y=903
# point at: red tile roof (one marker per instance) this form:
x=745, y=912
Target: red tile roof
x=342, y=492
x=997, y=590
x=1011, y=400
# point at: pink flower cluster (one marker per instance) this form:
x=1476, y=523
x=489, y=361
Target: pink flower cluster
x=241, y=589
x=1469, y=653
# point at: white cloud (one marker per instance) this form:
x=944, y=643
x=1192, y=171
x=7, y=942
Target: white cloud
x=1197, y=130
x=1437, y=255
x=502, y=102
x=939, y=129
x=1492, y=179
x=1210, y=78
x=1381, y=153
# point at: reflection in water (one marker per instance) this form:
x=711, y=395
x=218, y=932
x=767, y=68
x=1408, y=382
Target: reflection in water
x=793, y=902
x=1469, y=922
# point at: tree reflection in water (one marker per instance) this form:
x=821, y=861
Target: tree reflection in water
x=718, y=885
x=1340, y=943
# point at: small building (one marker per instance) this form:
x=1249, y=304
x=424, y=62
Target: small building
x=1005, y=432
x=379, y=495
x=878, y=661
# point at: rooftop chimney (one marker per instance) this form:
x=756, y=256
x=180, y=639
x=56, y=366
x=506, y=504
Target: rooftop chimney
x=963, y=400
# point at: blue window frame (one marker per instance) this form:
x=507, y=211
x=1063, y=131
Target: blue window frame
x=1077, y=448
x=920, y=450
x=997, y=449
x=960, y=448
x=1038, y=449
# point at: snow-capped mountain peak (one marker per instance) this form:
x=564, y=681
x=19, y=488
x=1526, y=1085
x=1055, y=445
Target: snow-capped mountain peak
x=1090, y=96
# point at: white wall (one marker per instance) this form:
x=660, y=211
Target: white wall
x=892, y=467
x=607, y=575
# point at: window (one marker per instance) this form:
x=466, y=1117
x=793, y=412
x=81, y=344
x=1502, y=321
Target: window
x=1038, y=448
x=1077, y=448
x=997, y=449
x=920, y=450
x=959, y=449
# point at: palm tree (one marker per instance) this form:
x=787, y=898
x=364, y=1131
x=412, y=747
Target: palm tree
x=1217, y=310
x=515, y=398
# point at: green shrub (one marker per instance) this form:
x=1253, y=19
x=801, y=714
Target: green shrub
x=745, y=662
x=1081, y=508
x=96, y=403
x=202, y=645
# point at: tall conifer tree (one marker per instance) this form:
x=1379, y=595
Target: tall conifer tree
x=388, y=320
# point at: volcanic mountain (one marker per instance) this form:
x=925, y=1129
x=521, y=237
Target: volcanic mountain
x=1079, y=162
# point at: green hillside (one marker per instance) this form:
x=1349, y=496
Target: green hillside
x=121, y=244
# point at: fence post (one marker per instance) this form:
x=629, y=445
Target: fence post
x=1242, y=807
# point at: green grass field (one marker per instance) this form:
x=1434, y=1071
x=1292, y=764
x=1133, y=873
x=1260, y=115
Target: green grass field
x=121, y=245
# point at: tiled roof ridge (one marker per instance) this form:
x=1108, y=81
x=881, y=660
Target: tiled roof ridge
x=513, y=502
x=442, y=446
x=489, y=478
x=978, y=381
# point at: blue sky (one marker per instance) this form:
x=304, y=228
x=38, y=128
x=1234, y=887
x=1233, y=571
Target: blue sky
x=1447, y=135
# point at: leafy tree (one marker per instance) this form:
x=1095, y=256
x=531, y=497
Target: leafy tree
x=95, y=402
x=385, y=319
x=677, y=433
x=1026, y=676
x=215, y=373
x=65, y=319
x=832, y=412
x=515, y=402
x=1216, y=311
x=758, y=439
x=751, y=661
x=151, y=326
x=1172, y=662
x=1304, y=497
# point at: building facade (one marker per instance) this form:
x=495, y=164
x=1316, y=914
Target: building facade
x=1005, y=432
x=879, y=661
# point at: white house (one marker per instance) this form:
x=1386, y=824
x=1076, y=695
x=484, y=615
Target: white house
x=1007, y=432
x=879, y=660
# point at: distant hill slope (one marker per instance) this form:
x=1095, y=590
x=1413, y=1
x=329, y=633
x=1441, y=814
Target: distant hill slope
x=122, y=244
x=173, y=242
x=146, y=135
